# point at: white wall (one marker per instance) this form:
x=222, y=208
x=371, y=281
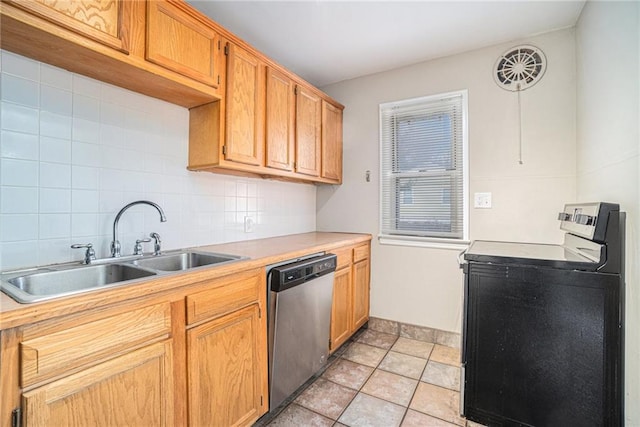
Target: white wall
x=424, y=286
x=608, y=144
x=73, y=151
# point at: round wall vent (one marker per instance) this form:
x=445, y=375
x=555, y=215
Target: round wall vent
x=519, y=68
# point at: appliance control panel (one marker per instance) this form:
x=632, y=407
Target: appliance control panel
x=587, y=220
x=289, y=275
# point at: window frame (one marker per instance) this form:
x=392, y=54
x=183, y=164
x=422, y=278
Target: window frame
x=426, y=241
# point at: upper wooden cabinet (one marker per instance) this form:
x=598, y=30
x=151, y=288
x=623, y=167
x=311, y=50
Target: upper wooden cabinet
x=182, y=43
x=308, y=127
x=161, y=48
x=279, y=120
x=244, y=107
x=244, y=116
x=269, y=125
x=105, y=21
x=331, y=142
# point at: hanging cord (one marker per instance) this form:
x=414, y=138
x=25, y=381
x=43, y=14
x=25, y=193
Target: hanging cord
x=519, y=127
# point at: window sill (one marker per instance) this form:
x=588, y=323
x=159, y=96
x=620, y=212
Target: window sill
x=423, y=242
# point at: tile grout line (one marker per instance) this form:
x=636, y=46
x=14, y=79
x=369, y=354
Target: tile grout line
x=368, y=377
x=339, y=355
x=418, y=384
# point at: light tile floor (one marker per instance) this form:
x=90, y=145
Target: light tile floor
x=378, y=379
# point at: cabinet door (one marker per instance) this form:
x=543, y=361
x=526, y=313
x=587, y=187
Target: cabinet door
x=331, y=142
x=308, y=125
x=280, y=117
x=135, y=389
x=360, y=293
x=341, y=308
x=179, y=42
x=227, y=370
x=101, y=20
x=245, y=107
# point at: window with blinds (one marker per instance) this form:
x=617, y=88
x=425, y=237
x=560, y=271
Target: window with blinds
x=423, y=152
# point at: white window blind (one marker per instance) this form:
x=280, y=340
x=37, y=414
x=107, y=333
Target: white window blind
x=423, y=144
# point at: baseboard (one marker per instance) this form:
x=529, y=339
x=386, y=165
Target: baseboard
x=420, y=333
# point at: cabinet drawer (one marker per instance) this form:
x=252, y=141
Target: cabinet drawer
x=360, y=253
x=69, y=348
x=344, y=257
x=225, y=295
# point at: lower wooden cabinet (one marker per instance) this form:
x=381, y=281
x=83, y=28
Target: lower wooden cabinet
x=227, y=351
x=135, y=389
x=197, y=358
x=350, y=308
x=341, y=307
x=360, y=293
x=224, y=370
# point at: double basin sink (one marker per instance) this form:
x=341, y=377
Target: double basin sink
x=56, y=281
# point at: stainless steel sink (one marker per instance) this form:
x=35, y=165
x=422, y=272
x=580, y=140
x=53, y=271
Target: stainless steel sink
x=45, y=284
x=184, y=260
x=60, y=280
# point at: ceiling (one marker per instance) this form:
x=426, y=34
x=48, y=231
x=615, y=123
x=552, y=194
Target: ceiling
x=326, y=41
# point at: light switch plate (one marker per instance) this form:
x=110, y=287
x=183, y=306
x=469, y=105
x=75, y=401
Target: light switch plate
x=249, y=224
x=482, y=200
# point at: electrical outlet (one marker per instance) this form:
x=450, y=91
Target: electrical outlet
x=249, y=224
x=482, y=200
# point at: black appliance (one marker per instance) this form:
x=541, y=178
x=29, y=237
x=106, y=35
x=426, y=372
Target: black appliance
x=543, y=325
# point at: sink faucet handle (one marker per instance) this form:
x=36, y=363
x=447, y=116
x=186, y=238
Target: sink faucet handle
x=89, y=255
x=156, y=244
x=137, y=249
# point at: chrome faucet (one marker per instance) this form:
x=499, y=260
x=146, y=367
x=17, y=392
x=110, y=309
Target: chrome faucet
x=115, y=244
x=89, y=255
x=156, y=244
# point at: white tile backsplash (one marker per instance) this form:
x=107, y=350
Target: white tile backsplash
x=18, y=200
x=16, y=145
x=53, y=76
x=74, y=151
x=54, y=226
x=55, y=125
x=20, y=91
x=19, y=227
x=19, y=118
x=55, y=200
x=55, y=175
x=23, y=173
x=20, y=66
x=55, y=150
x=56, y=100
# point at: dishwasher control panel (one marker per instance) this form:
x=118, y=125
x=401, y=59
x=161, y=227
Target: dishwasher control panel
x=290, y=275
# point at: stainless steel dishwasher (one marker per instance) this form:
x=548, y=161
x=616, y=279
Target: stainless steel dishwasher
x=299, y=315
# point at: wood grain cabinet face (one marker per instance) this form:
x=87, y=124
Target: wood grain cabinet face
x=179, y=42
x=280, y=118
x=308, y=128
x=135, y=389
x=341, y=308
x=331, y=142
x=226, y=348
x=103, y=21
x=225, y=368
x=245, y=107
x=360, y=293
x=350, y=307
x=54, y=353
